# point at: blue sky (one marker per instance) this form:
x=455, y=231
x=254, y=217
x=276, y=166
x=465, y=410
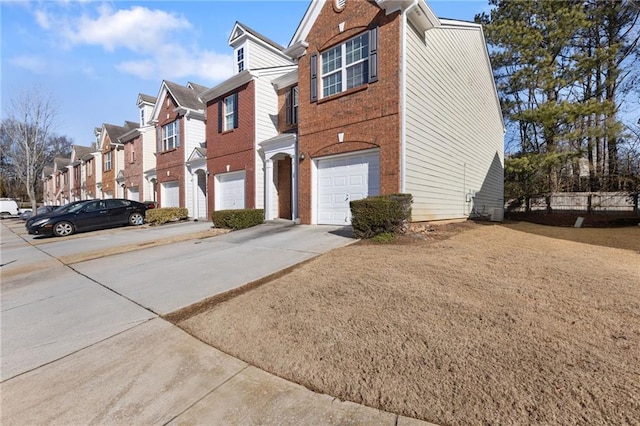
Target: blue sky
x=94, y=57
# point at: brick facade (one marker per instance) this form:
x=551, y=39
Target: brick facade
x=90, y=179
x=109, y=175
x=170, y=164
x=368, y=115
x=133, y=158
x=233, y=150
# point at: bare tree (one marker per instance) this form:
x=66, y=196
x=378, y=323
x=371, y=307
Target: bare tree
x=28, y=127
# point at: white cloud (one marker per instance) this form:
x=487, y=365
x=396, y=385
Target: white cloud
x=31, y=63
x=42, y=18
x=161, y=42
x=137, y=29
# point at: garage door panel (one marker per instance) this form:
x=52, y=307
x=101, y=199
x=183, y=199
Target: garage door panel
x=231, y=191
x=345, y=179
x=170, y=194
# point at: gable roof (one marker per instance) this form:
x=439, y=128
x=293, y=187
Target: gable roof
x=115, y=132
x=145, y=99
x=198, y=153
x=186, y=98
x=419, y=14
x=60, y=163
x=240, y=29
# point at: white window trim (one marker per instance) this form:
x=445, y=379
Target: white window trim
x=228, y=113
x=108, y=160
x=343, y=66
x=171, y=142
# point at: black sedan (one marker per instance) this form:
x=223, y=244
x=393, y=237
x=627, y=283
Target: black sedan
x=86, y=216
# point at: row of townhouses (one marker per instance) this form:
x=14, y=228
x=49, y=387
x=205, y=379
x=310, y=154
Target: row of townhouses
x=369, y=97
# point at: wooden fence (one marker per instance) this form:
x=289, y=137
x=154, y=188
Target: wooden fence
x=589, y=202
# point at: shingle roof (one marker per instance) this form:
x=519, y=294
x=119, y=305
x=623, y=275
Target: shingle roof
x=148, y=98
x=199, y=88
x=184, y=96
x=82, y=150
x=261, y=37
x=115, y=132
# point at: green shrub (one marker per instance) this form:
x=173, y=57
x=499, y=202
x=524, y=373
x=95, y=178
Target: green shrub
x=378, y=215
x=237, y=219
x=166, y=214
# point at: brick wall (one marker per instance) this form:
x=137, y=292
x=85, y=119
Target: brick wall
x=170, y=164
x=233, y=148
x=369, y=115
x=90, y=180
x=108, y=176
x=133, y=171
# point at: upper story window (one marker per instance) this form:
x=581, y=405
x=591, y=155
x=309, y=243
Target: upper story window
x=89, y=168
x=240, y=59
x=141, y=117
x=108, y=160
x=170, y=138
x=291, y=105
x=133, y=153
x=228, y=113
x=348, y=65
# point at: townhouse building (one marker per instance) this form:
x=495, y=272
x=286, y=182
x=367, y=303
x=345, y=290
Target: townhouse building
x=393, y=99
x=77, y=171
x=240, y=116
x=179, y=119
x=139, y=154
x=112, y=184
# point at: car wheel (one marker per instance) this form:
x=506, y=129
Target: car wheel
x=136, y=219
x=62, y=229
x=5, y=215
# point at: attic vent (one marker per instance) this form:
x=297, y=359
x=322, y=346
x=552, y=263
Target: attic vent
x=339, y=4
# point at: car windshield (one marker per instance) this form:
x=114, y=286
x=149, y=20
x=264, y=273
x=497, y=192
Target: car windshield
x=74, y=207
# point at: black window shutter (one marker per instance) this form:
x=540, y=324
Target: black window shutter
x=314, y=77
x=235, y=110
x=220, y=116
x=373, y=54
x=288, y=106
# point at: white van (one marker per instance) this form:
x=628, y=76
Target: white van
x=8, y=208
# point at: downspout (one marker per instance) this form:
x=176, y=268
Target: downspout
x=403, y=97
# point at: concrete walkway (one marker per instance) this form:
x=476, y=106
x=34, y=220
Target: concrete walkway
x=83, y=344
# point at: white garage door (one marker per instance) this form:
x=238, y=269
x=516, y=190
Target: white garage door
x=230, y=191
x=133, y=194
x=170, y=194
x=344, y=179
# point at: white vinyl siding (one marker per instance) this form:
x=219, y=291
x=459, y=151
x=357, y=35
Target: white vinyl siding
x=258, y=56
x=194, y=136
x=454, y=134
x=266, y=107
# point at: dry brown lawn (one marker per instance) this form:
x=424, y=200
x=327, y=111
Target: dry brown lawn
x=476, y=324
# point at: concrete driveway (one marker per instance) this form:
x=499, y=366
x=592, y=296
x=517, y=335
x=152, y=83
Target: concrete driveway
x=83, y=343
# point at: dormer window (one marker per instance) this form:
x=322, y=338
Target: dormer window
x=141, y=117
x=240, y=59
